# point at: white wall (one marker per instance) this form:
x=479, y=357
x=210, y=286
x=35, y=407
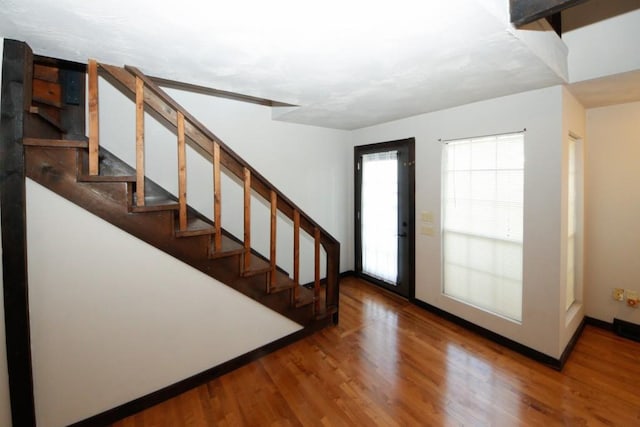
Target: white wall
x=612, y=210
x=574, y=125
x=5, y=405
x=310, y=165
x=609, y=46
x=540, y=112
x=113, y=318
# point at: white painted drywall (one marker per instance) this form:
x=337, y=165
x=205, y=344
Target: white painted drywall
x=5, y=405
x=612, y=210
x=540, y=112
x=608, y=46
x=309, y=164
x=113, y=318
x=574, y=125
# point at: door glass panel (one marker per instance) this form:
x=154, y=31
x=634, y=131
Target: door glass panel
x=379, y=211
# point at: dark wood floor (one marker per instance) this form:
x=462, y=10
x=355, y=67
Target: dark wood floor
x=390, y=363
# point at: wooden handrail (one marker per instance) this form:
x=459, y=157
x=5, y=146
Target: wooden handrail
x=199, y=137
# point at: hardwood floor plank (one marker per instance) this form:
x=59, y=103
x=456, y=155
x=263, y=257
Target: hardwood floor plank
x=391, y=363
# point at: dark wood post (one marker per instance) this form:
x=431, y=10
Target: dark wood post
x=17, y=69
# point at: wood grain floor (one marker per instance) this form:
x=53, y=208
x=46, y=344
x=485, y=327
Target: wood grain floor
x=390, y=363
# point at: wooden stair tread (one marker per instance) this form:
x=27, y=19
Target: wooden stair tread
x=55, y=143
x=305, y=297
x=48, y=113
x=229, y=248
x=258, y=266
x=195, y=227
x=154, y=204
x=283, y=283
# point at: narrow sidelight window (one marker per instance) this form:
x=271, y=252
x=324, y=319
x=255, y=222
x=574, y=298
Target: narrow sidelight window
x=483, y=186
x=573, y=252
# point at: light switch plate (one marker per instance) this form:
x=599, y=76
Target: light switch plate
x=426, y=216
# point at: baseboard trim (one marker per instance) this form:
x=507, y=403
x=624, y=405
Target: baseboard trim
x=348, y=273
x=130, y=408
x=529, y=352
x=599, y=323
x=626, y=329
x=572, y=343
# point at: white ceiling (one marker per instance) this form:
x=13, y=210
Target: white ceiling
x=346, y=64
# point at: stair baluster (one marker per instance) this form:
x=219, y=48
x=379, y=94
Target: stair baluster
x=217, y=199
x=296, y=255
x=316, y=283
x=272, y=249
x=182, y=174
x=140, y=193
x=94, y=129
x=247, y=221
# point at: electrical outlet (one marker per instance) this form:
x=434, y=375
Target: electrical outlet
x=618, y=294
x=632, y=298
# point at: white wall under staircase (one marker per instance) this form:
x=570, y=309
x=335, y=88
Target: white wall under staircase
x=113, y=318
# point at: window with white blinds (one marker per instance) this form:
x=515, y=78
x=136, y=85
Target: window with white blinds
x=483, y=186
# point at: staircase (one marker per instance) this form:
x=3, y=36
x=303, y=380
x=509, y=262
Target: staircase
x=61, y=158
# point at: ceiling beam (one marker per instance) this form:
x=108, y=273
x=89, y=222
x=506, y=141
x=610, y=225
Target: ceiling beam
x=526, y=11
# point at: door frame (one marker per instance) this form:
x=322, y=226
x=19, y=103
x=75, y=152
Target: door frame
x=358, y=151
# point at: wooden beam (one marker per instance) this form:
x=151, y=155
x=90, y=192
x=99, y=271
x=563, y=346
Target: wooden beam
x=217, y=199
x=182, y=174
x=526, y=11
x=17, y=67
x=218, y=93
x=140, y=195
x=94, y=129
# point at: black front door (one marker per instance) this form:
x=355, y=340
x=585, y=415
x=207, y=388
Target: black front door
x=384, y=214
